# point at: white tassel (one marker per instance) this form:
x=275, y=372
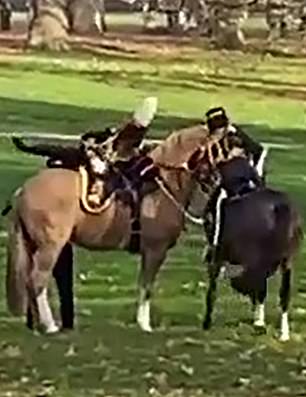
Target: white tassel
x=144, y=114
x=261, y=162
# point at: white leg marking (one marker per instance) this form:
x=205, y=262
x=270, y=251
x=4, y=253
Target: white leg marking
x=259, y=316
x=285, y=332
x=221, y=197
x=222, y=272
x=143, y=313
x=45, y=313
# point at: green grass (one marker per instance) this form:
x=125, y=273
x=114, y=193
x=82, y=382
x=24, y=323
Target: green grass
x=107, y=354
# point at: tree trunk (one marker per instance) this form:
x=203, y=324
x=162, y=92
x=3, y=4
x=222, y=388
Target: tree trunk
x=226, y=23
x=53, y=19
x=49, y=25
x=88, y=16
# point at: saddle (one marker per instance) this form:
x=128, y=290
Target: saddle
x=135, y=179
x=126, y=181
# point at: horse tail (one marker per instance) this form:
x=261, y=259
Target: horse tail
x=289, y=226
x=18, y=259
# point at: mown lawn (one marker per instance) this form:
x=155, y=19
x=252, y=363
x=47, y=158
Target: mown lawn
x=107, y=354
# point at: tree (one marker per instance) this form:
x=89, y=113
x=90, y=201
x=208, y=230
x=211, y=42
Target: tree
x=226, y=19
x=53, y=20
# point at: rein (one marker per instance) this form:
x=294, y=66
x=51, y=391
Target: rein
x=167, y=192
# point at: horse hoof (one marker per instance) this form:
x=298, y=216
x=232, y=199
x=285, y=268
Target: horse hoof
x=146, y=328
x=260, y=329
x=259, y=324
x=284, y=338
x=53, y=329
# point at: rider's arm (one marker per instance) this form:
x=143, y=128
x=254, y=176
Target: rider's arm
x=250, y=145
x=257, y=151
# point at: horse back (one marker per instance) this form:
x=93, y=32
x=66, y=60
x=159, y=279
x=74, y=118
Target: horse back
x=51, y=184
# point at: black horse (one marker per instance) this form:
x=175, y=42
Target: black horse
x=261, y=232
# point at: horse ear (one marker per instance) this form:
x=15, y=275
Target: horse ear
x=131, y=134
x=194, y=159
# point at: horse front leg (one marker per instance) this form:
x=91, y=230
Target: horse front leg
x=213, y=274
x=258, y=300
x=284, y=295
x=150, y=264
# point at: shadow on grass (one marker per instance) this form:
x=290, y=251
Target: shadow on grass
x=19, y=115
x=27, y=116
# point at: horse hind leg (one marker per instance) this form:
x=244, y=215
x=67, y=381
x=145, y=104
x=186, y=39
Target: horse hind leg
x=284, y=295
x=43, y=262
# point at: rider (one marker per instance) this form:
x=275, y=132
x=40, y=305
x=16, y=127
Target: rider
x=241, y=180
x=98, y=150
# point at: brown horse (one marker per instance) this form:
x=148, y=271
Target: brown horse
x=47, y=214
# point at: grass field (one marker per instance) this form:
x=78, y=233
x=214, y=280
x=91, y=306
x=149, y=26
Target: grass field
x=107, y=355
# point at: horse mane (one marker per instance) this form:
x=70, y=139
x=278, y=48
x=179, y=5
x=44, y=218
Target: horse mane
x=178, y=147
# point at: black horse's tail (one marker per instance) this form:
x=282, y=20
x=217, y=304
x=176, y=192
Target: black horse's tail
x=289, y=226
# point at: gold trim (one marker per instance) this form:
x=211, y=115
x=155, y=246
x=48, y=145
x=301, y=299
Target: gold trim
x=83, y=195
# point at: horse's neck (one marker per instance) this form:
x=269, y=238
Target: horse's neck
x=178, y=147
x=173, y=154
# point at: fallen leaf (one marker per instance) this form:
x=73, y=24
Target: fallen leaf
x=82, y=277
x=47, y=382
x=187, y=286
x=243, y=382
x=12, y=351
x=148, y=375
x=109, y=279
x=71, y=351
x=170, y=343
x=300, y=311
x=45, y=346
x=153, y=392
x=161, y=380
x=191, y=341
x=188, y=370
x=162, y=359
x=284, y=390
x=85, y=312
x=113, y=288
x=100, y=348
